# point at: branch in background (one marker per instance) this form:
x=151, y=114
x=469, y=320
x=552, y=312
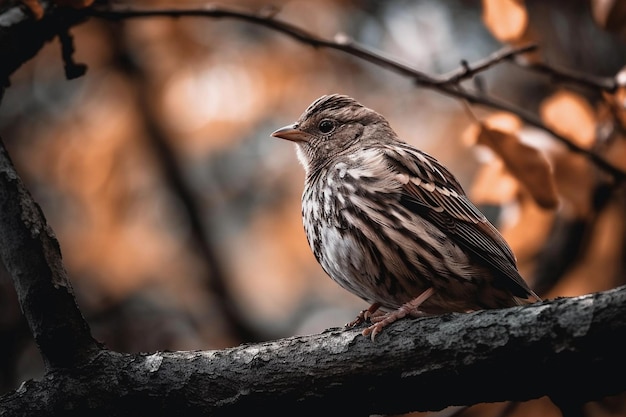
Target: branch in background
x=608, y=84
x=31, y=254
x=467, y=71
x=72, y=69
x=30, y=36
x=515, y=55
x=533, y=120
x=447, y=84
x=571, y=349
x=215, y=278
x=21, y=36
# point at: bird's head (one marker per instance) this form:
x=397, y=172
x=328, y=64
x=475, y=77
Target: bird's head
x=333, y=125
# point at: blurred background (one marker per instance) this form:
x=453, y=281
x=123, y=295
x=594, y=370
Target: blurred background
x=179, y=217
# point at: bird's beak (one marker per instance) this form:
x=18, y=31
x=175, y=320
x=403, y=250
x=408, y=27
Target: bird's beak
x=292, y=133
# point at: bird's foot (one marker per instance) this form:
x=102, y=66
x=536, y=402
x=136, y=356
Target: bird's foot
x=408, y=309
x=365, y=315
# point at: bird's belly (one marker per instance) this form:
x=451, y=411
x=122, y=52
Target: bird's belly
x=388, y=276
x=355, y=266
x=345, y=261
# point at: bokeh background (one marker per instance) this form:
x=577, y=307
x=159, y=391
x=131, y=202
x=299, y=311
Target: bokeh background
x=179, y=217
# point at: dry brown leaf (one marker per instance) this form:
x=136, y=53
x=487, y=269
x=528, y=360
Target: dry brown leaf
x=570, y=115
x=573, y=174
x=526, y=229
x=502, y=121
x=616, y=101
x=619, y=106
x=35, y=7
x=609, y=14
x=493, y=184
x=469, y=137
x=616, y=152
x=506, y=19
x=526, y=163
x=597, y=268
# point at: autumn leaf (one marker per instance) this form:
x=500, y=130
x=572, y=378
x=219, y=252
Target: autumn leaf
x=570, y=115
x=493, y=184
x=573, y=174
x=609, y=14
x=525, y=163
x=35, y=8
x=502, y=121
x=526, y=228
x=616, y=154
x=506, y=19
x=616, y=101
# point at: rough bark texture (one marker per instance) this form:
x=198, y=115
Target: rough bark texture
x=31, y=253
x=572, y=348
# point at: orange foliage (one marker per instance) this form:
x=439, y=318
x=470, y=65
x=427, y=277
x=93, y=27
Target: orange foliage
x=570, y=115
x=506, y=19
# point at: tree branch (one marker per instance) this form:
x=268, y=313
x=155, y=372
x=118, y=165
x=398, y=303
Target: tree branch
x=570, y=347
x=21, y=36
x=468, y=71
x=573, y=345
x=447, y=84
x=607, y=84
x=31, y=254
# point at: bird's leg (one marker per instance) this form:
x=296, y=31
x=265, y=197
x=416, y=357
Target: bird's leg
x=410, y=308
x=364, y=315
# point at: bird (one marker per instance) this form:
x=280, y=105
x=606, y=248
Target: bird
x=391, y=224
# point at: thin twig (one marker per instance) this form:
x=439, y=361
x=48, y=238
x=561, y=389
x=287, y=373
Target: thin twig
x=72, y=68
x=470, y=70
x=342, y=42
x=446, y=84
x=530, y=119
x=608, y=84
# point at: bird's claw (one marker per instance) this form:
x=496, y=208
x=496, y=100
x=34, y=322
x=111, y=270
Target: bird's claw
x=365, y=315
x=358, y=320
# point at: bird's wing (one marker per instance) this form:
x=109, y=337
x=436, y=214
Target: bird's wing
x=431, y=191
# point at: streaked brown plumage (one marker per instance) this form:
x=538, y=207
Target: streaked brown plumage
x=392, y=225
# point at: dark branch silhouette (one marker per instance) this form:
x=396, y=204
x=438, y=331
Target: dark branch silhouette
x=447, y=84
x=564, y=75
x=467, y=71
x=58, y=20
x=31, y=254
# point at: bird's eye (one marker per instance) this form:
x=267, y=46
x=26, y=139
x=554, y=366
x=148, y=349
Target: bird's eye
x=326, y=126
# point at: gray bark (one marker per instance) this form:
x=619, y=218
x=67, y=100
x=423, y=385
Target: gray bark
x=569, y=349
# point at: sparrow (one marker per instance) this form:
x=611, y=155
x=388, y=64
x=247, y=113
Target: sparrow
x=391, y=224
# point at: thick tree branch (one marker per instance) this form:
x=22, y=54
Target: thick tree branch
x=568, y=348
x=32, y=256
